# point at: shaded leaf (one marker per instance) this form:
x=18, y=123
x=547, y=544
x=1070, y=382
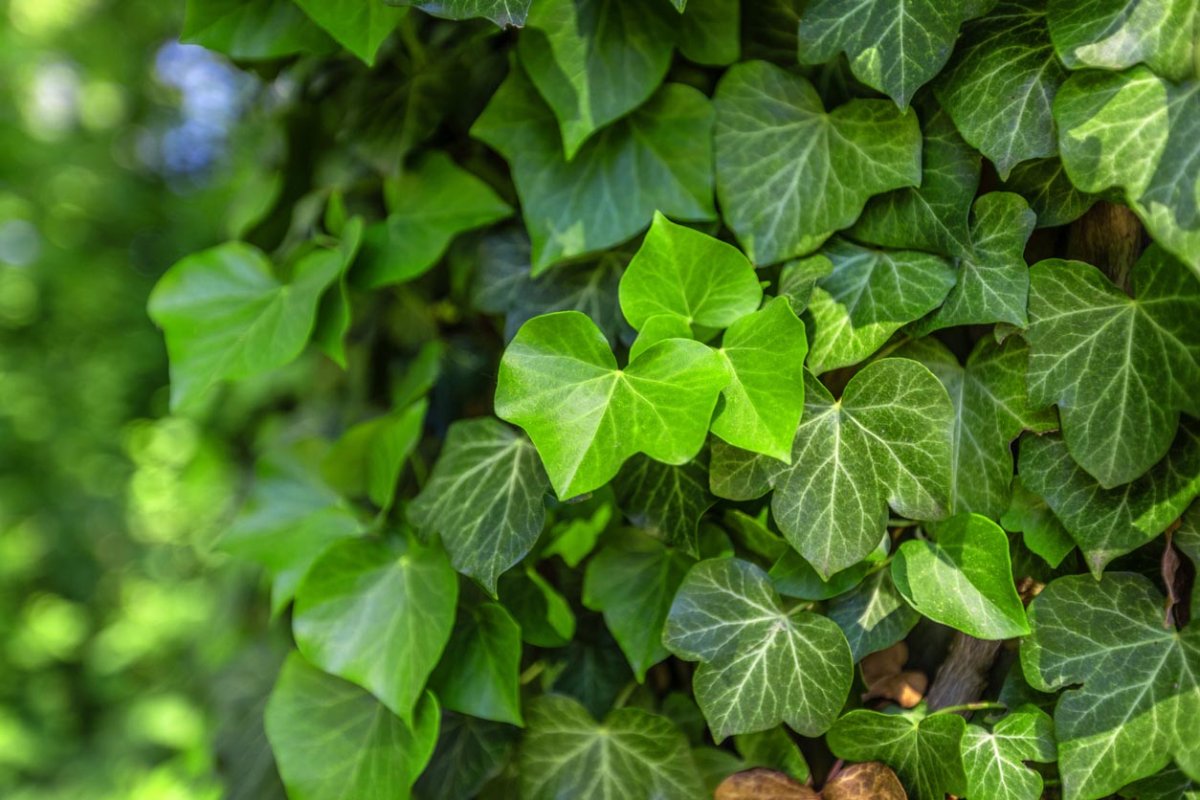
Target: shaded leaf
x=873, y=615
x=479, y=673
x=665, y=500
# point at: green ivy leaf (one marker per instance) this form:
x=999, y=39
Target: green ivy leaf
x=657, y=329
x=501, y=12
x=427, y=207
x=334, y=312
x=709, y=32
x=1170, y=784
x=990, y=411
x=869, y=295
x=887, y=442
x=773, y=749
x=932, y=216
x=657, y=158
x=1109, y=522
x=659, y=405
x=1044, y=184
x=760, y=665
x=873, y=615
x=632, y=753
x=789, y=173
x=253, y=30
x=378, y=613
x=544, y=615
x=1108, y=35
x=963, y=578
x=1136, y=704
x=764, y=355
x=594, y=61
x=485, y=498
x=1041, y=531
x=665, y=500
x=479, y=673
x=374, y=756
x=632, y=580
x=367, y=460
x=1137, y=132
x=1006, y=57
x=359, y=27
x=797, y=279
x=993, y=278
x=994, y=761
x=895, y=48
x=792, y=576
x=922, y=749
x=226, y=316
x=469, y=753
x=1120, y=369
x=684, y=273
x=289, y=518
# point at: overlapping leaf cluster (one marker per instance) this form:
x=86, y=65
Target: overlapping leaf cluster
x=692, y=353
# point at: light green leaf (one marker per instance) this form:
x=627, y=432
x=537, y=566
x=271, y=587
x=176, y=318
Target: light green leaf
x=288, y=520
x=764, y=355
x=1136, y=701
x=990, y=411
x=595, y=60
x=893, y=47
x=501, y=12
x=358, y=26
x=709, y=32
x=1139, y=133
x=1120, y=369
x=1107, y=523
x=1041, y=531
x=887, y=442
x=773, y=749
x=933, y=216
x=631, y=754
x=789, y=173
x=657, y=329
x=760, y=665
x=665, y=500
x=559, y=381
x=226, y=316
x=544, y=615
x=658, y=157
x=479, y=673
x=873, y=615
x=963, y=578
x=427, y=207
x=369, y=457
x=253, y=30
x=374, y=754
x=469, y=753
x=632, y=581
x=333, y=313
x=485, y=498
x=1000, y=87
x=682, y=272
x=994, y=761
x=377, y=613
x=1044, y=184
x=1115, y=34
x=923, y=750
x=993, y=278
x=869, y=295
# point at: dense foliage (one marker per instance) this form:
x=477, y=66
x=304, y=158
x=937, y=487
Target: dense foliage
x=646, y=391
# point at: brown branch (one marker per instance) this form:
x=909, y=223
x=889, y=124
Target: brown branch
x=1108, y=236
x=963, y=675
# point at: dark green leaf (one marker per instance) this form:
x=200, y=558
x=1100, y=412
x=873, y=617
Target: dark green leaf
x=923, y=750
x=479, y=673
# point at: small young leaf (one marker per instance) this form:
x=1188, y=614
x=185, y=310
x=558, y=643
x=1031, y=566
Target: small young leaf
x=544, y=615
x=924, y=750
x=479, y=673
x=761, y=666
x=367, y=460
x=684, y=273
x=226, y=316
x=378, y=613
x=559, y=381
x=374, y=756
x=633, y=581
x=893, y=48
x=1041, y=531
x=1119, y=369
x=870, y=295
x=485, y=498
x=994, y=761
x=1137, y=701
x=774, y=749
x=963, y=578
x=632, y=753
x=789, y=173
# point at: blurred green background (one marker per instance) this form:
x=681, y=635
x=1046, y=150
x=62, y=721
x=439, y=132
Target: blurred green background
x=125, y=664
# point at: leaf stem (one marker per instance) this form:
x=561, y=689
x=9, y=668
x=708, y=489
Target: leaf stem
x=983, y=705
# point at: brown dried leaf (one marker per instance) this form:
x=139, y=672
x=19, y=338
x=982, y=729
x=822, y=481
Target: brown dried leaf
x=762, y=784
x=907, y=689
x=869, y=781
x=884, y=664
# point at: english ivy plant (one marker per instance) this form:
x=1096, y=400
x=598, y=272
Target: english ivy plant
x=699, y=386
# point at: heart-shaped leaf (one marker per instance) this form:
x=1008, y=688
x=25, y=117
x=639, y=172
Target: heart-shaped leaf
x=923, y=749
x=994, y=760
